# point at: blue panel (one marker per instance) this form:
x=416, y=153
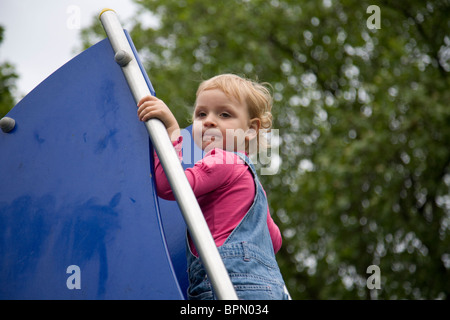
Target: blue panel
x=76, y=190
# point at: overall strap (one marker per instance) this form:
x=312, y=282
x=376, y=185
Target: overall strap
x=249, y=163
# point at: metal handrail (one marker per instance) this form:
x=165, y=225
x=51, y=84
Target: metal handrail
x=181, y=188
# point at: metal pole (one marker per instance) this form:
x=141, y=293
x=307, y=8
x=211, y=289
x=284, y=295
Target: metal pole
x=181, y=188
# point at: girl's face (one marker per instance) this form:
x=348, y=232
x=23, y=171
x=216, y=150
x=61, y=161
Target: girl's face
x=222, y=122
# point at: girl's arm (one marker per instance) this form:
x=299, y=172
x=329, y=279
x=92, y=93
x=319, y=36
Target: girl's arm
x=275, y=233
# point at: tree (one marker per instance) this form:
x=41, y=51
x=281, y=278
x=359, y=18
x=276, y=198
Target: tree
x=7, y=84
x=363, y=116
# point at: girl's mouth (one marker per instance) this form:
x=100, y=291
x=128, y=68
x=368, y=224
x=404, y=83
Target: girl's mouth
x=211, y=135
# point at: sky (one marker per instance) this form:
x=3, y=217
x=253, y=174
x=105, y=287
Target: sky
x=41, y=36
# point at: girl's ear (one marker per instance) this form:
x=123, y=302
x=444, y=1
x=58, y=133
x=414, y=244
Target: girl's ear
x=254, y=126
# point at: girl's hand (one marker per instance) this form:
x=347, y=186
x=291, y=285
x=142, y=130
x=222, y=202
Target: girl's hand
x=151, y=107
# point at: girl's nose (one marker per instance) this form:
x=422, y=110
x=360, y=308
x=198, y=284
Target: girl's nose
x=209, y=121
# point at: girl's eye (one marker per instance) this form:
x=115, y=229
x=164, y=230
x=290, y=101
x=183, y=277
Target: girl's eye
x=225, y=115
x=201, y=114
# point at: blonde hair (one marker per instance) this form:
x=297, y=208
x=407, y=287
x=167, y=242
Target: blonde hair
x=256, y=96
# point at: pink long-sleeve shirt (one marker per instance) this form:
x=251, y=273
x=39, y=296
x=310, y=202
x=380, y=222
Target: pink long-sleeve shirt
x=225, y=189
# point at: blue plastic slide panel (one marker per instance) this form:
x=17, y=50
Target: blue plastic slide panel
x=79, y=217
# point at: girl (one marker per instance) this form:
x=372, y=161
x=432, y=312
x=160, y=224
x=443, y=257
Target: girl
x=228, y=115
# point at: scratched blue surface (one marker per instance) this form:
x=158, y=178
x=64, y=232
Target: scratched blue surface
x=77, y=190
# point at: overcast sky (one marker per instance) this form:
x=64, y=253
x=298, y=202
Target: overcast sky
x=42, y=35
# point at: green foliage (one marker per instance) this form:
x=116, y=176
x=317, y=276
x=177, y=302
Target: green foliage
x=363, y=116
x=7, y=84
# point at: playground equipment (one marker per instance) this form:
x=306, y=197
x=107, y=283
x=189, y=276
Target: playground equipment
x=79, y=214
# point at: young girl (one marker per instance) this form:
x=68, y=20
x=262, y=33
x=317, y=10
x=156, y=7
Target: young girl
x=229, y=112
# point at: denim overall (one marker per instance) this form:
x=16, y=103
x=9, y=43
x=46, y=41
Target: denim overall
x=247, y=254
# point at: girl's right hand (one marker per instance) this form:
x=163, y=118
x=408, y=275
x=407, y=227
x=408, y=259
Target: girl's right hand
x=151, y=107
